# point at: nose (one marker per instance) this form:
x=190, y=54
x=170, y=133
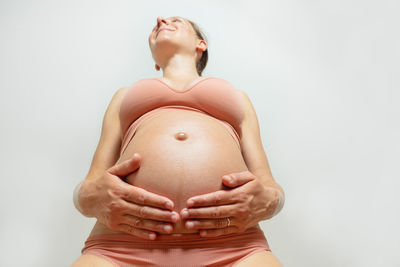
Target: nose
x=160, y=20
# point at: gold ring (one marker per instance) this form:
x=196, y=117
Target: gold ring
x=229, y=221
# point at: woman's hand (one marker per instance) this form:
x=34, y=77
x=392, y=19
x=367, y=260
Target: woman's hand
x=245, y=205
x=124, y=207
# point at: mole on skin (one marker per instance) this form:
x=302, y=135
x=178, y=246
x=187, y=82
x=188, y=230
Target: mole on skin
x=181, y=136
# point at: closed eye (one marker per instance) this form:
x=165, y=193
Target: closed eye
x=156, y=27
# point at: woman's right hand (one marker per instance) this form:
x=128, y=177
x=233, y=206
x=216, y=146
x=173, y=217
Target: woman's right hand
x=124, y=207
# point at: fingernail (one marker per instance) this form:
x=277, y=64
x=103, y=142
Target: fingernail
x=190, y=202
x=169, y=205
x=229, y=179
x=167, y=228
x=203, y=232
x=185, y=214
x=152, y=236
x=174, y=217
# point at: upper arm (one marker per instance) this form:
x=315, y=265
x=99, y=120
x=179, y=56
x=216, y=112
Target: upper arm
x=108, y=148
x=252, y=149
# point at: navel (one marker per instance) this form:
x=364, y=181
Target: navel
x=181, y=136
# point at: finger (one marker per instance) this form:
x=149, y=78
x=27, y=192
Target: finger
x=147, y=212
x=208, y=224
x=126, y=167
x=141, y=196
x=151, y=225
x=145, y=234
x=219, y=197
x=208, y=212
x=218, y=232
x=238, y=178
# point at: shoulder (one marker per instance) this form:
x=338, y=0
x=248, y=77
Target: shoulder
x=119, y=93
x=117, y=97
x=246, y=104
x=248, y=108
x=121, y=90
x=243, y=95
x=224, y=82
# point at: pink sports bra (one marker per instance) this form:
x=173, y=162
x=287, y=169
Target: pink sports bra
x=211, y=96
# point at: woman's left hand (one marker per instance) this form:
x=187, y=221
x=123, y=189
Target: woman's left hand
x=245, y=205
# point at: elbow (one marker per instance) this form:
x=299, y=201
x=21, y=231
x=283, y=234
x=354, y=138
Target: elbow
x=280, y=201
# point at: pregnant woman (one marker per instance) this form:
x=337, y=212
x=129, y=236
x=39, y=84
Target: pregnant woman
x=179, y=177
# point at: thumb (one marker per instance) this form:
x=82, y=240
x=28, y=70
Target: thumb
x=126, y=167
x=237, y=179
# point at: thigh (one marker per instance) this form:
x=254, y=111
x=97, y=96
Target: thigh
x=89, y=260
x=260, y=259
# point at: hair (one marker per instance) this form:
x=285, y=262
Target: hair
x=201, y=64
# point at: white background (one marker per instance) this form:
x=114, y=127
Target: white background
x=323, y=77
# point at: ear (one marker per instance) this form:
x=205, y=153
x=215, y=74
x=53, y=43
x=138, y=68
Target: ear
x=202, y=46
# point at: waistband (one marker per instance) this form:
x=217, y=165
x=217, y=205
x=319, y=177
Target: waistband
x=252, y=235
x=132, y=128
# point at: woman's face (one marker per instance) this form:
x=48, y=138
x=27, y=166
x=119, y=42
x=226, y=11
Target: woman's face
x=174, y=31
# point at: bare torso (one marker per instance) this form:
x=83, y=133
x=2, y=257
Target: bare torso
x=183, y=153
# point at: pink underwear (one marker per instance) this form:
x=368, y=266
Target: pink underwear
x=187, y=250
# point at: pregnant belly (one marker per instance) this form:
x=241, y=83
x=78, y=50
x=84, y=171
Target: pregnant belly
x=183, y=153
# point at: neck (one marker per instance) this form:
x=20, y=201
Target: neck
x=179, y=68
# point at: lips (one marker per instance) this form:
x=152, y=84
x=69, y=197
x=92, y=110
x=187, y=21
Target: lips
x=167, y=29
